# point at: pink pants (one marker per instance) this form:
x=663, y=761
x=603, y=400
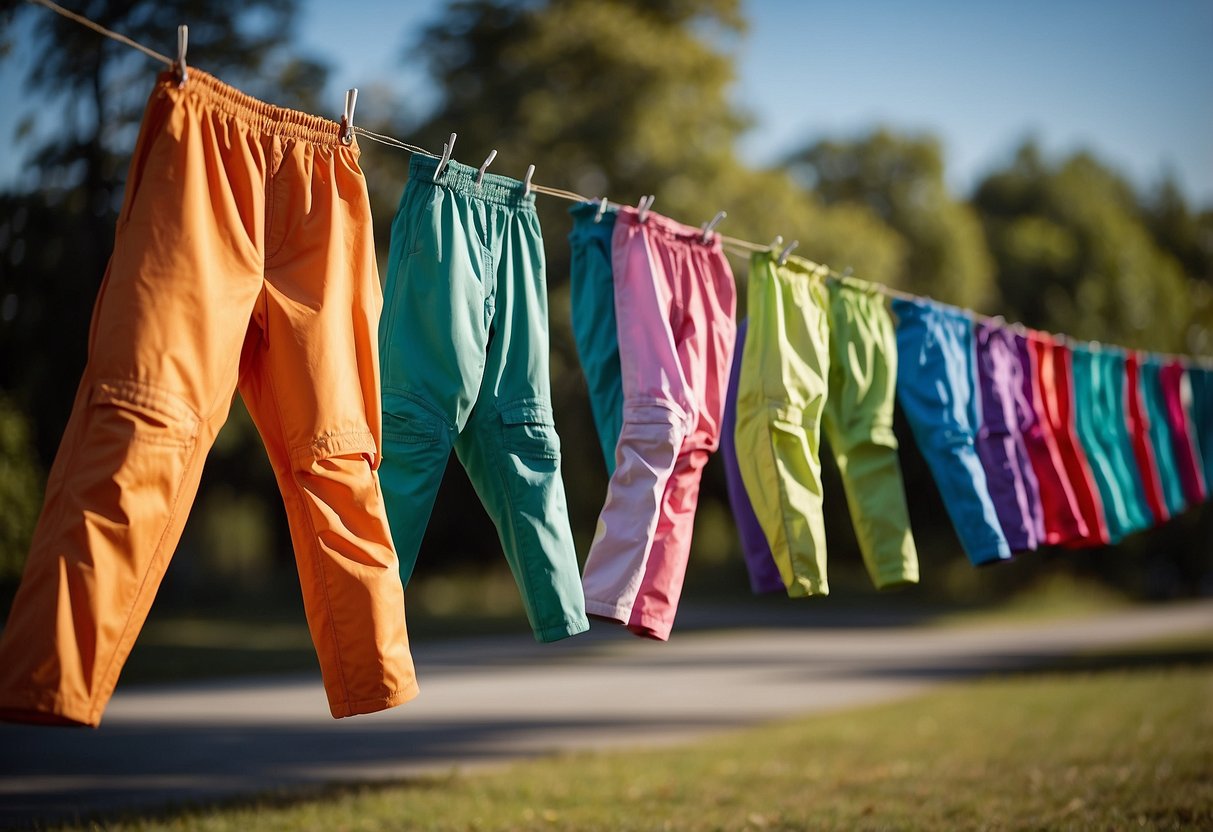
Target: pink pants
x=675, y=303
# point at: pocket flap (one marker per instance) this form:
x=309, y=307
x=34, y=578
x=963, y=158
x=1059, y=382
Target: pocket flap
x=530, y=412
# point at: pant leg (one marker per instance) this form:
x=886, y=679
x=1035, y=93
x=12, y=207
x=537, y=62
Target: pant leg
x=1177, y=395
x=164, y=351
x=1202, y=413
x=311, y=383
x=1012, y=487
x=936, y=387
x=858, y=422
x=781, y=396
x=592, y=295
x=1160, y=435
x=1143, y=450
x=658, y=414
x=706, y=331
x=764, y=575
x=433, y=337
x=1061, y=518
x=1092, y=418
x=509, y=445
x=1112, y=365
x=1078, y=466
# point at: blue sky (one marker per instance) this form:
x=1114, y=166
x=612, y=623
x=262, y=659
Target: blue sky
x=1132, y=81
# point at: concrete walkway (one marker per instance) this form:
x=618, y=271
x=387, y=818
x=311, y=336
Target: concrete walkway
x=486, y=701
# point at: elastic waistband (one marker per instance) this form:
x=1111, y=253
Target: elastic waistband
x=854, y=284
x=265, y=118
x=796, y=266
x=672, y=230
x=496, y=189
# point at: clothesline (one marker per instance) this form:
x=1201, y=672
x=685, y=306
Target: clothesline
x=735, y=245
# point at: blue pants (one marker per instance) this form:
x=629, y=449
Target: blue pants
x=937, y=389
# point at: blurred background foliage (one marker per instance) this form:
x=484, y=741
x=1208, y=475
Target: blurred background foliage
x=624, y=98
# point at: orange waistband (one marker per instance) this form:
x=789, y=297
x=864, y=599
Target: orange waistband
x=265, y=118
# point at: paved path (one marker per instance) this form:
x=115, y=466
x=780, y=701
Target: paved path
x=485, y=701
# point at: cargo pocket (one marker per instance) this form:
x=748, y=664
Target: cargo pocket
x=529, y=431
x=408, y=423
x=135, y=455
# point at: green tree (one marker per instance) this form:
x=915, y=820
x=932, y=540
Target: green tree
x=20, y=485
x=1075, y=255
x=901, y=179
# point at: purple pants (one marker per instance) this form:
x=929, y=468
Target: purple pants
x=764, y=575
x=1000, y=442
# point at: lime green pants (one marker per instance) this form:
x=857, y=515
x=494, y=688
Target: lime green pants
x=819, y=357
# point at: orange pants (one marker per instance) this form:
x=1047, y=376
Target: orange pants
x=243, y=258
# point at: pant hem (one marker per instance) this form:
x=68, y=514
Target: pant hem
x=894, y=580
x=565, y=629
x=806, y=587
x=612, y=611
x=40, y=708
x=370, y=706
x=655, y=630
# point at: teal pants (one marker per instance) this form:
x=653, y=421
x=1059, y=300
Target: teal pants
x=1160, y=436
x=1202, y=412
x=1099, y=392
x=592, y=295
x=464, y=349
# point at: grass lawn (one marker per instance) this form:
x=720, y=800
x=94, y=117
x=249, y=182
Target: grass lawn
x=1119, y=740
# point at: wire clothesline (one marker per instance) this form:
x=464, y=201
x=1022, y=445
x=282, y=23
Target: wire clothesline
x=735, y=245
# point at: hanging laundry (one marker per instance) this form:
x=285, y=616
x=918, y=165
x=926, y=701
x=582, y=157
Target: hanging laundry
x=937, y=388
x=781, y=396
x=592, y=292
x=1202, y=416
x=858, y=422
x=764, y=574
x=1143, y=450
x=1177, y=394
x=1102, y=428
x=1055, y=376
x=1160, y=435
x=243, y=258
x=827, y=361
x=1115, y=388
x=1000, y=445
x=675, y=306
x=465, y=365
x=1092, y=419
x=1061, y=518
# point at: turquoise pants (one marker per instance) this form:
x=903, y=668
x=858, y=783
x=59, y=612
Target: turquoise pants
x=464, y=349
x=592, y=292
x=1160, y=435
x=1100, y=421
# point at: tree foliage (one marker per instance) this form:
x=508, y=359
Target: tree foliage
x=901, y=180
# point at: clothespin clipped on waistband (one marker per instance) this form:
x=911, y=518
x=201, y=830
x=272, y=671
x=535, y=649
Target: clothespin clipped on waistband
x=347, y=117
x=708, y=227
x=488, y=161
x=602, y=206
x=783, y=255
x=448, y=147
x=526, y=180
x=642, y=207
x=183, y=41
